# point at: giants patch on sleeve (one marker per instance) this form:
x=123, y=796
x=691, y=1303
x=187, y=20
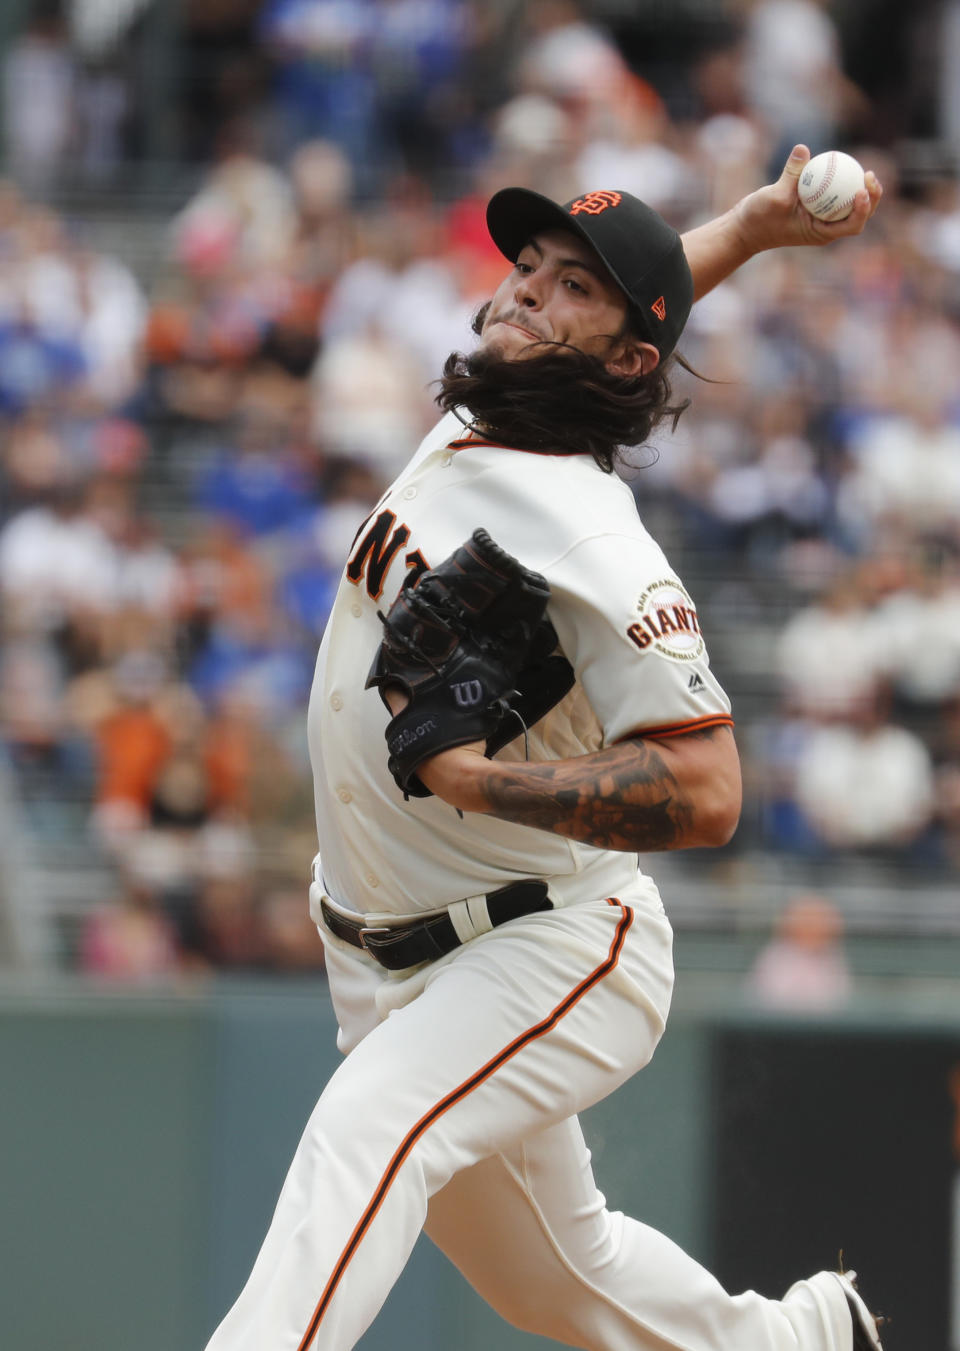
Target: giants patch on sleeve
x=668, y=622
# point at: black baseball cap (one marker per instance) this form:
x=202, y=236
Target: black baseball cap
x=643, y=254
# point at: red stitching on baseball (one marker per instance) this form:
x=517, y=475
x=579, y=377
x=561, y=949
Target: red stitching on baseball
x=828, y=178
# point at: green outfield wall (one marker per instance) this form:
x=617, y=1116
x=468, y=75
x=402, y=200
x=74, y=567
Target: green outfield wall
x=144, y=1137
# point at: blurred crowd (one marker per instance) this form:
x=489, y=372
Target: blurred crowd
x=184, y=460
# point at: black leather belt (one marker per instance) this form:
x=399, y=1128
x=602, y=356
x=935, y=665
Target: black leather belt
x=423, y=940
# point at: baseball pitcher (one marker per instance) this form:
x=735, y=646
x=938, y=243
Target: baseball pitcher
x=513, y=699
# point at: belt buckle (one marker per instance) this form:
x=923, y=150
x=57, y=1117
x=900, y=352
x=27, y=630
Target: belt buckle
x=383, y=929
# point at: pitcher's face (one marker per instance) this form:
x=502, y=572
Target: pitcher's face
x=560, y=292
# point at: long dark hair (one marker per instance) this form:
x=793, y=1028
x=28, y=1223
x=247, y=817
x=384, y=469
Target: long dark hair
x=560, y=401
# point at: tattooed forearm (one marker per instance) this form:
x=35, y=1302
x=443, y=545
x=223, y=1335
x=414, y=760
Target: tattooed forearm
x=625, y=797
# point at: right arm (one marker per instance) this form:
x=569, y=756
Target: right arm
x=772, y=217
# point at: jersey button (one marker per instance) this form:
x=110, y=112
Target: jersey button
x=356, y=610
x=344, y=795
x=409, y=493
x=373, y=880
x=336, y=703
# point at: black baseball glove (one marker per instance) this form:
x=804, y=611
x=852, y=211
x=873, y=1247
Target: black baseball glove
x=470, y=646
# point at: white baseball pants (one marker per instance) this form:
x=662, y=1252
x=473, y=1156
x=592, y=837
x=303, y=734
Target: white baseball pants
x=457, y=1111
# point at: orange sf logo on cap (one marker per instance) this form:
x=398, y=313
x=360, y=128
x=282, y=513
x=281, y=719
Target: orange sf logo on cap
x=595, y=202
x=659, y=308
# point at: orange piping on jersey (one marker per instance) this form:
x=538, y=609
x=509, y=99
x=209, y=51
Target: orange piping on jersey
x=480, y=1077
x=679, y=728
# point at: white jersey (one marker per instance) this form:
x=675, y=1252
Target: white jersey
x=624, y=621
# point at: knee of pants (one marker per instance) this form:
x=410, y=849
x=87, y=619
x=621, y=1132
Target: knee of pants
x=369, y=1134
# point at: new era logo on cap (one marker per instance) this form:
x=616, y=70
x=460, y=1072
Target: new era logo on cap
x=595, y=202
x=659, y=308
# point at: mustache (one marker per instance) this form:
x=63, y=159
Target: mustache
x=519, y=320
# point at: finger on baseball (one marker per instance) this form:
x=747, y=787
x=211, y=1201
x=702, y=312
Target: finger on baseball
x=849, y=225
x=874, y=189
x=797, y=158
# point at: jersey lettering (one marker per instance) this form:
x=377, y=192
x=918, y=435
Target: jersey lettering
x=668, y=622
x=417, y=565
x=638, y=634
x=376, y=552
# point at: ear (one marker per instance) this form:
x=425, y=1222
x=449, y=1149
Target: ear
x=634, y=358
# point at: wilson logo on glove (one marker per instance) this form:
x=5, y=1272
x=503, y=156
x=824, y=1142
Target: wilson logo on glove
x=467, y=692
x=470, y=646
x=409, y=736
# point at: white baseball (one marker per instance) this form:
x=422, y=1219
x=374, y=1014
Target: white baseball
x=829, y=183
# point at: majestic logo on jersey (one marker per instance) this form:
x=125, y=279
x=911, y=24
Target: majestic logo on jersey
x=668, y=622
x=376, y=550
x=659, y=308
x=595, y=202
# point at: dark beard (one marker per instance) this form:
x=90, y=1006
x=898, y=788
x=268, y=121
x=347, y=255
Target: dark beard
x=558, y=402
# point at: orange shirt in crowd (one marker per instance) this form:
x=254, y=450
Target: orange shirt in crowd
x=133, y=745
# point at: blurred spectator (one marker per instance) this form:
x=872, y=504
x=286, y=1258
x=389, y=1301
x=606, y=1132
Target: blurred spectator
x=416, y=56
x=129, y=939
x=249, y=773
x=867, y=785
x=253, y=652
x=222, y=928
x=325, y=84
x=39, y=75
x=31, y=698
x=906, y=470
x=633, y=151
x=56, y=564
x=49, y=755
x=803, y=968
x=380, y=78
x=103, y=106
x=920, y=622
x=111, y=321
x=220, y=578
x=36, y=367
x=133, y=746
x=535, y=141
x=370, y=400
x=310, y=571
x=245, y=202
x=35, y=458
x=257, y=483
x=830, y=653
x=773, y=494
x=568, y=57
x=404, y=291
x=793, y=75
x=322, y=180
